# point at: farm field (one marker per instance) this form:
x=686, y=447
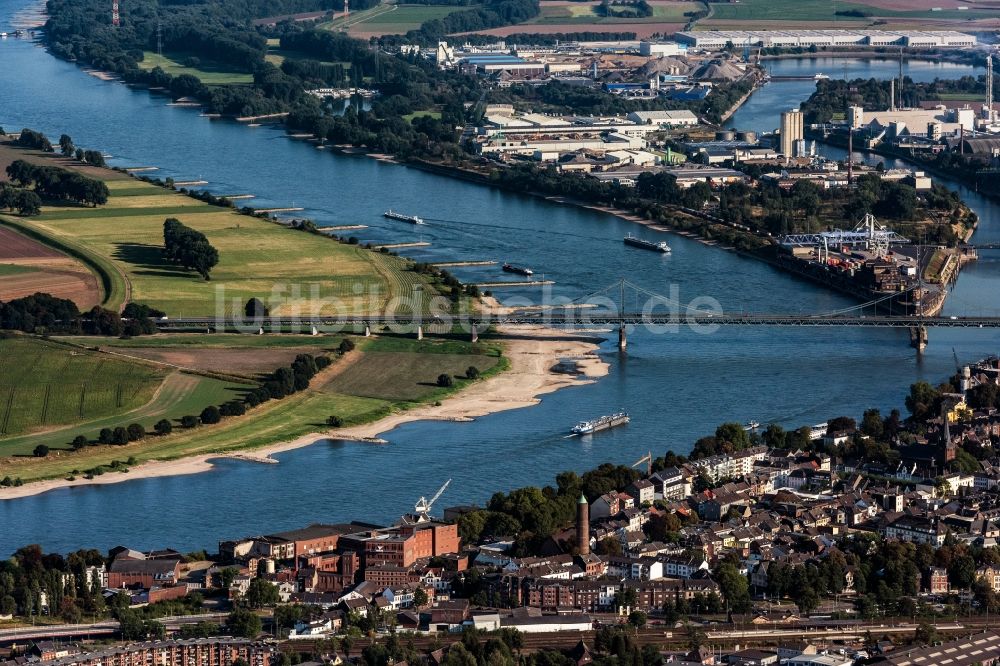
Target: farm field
x=389, y=19
x=405, y=376
x=250, y=362
x=28, y=266
x=182, y=341
x=642, y=30
x=45, y=384
x=557, y=12
x=179, y=395
x=207, y=73
x=310, y=272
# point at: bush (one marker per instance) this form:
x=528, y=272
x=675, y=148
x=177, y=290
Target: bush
x=120, y=436
x=256, y=397
x=189, y=421
x=79, y=442
x=41, y=451
x=334, y=421
x=472, y=372
x=445, y=381
x=210, y=415
x=346, y=345
x=163, y=427
x=135, y=432
x=105, y=436
x=233, y=408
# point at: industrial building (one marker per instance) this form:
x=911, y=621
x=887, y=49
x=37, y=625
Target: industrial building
x=982, y=648
x=551, y=149
x=679, y=118
x=717, y=39
x=792, y=132
x=923, y=126
x=660, y=49
x=494, y=63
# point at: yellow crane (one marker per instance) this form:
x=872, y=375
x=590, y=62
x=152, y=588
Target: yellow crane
x=648, y=459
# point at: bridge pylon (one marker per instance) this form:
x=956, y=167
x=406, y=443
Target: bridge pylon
x=918, y=338
x=622, y=337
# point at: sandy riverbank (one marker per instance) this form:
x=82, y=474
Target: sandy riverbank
x=532, y=352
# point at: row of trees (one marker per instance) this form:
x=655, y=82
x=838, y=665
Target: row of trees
x=51, y=182
x=188, y=247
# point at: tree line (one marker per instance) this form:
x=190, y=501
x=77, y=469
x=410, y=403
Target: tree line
x=42, y=312
x=51, y=182
x=188, y=247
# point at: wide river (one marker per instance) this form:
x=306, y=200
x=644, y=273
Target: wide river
x=678, y=387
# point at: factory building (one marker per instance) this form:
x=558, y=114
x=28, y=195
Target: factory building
x=717, y=39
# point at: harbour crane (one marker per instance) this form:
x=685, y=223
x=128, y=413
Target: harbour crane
x=422, y=509
x=648, y=459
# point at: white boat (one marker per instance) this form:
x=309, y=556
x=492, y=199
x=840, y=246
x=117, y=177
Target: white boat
x=817, y=431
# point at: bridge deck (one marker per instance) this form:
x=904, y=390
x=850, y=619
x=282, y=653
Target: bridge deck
x=589, y=318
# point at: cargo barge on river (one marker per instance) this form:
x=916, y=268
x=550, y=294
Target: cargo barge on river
x=601, y=423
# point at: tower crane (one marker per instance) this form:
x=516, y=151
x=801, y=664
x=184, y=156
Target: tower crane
x=648, y=459
x=422, y=509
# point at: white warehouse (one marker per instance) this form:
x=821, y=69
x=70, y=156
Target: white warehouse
x=717, y=39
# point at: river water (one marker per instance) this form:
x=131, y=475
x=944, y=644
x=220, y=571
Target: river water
x=677, y=386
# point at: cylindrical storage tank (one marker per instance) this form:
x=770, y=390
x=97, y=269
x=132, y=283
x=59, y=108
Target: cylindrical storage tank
x=725, y=135
x=269, y=566
x=749, y=136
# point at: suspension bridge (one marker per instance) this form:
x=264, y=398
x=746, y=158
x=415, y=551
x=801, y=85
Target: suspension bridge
x=621, y=305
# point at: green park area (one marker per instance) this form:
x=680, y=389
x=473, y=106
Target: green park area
x=209, y=73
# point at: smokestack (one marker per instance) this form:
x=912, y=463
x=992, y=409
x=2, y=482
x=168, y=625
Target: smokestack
x=989, y=85
x=850, y=158
x=901, y=78
x=892, y=95
x=583, y=526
